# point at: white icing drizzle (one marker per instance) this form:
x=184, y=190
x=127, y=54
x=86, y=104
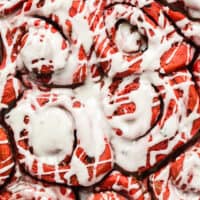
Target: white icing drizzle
x=7, y=71
x=6, y=159
x=157, y=38
x=72, y=115
x=43, y=41
x=190, y=28
x=27, y=188
x=127, y=185
x=143, y=123
x=186, y=183
x=132, y=154
x=131, y=124
x=44, y=47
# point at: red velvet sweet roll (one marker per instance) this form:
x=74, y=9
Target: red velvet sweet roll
x=8, y=7
x=24, y=187
x=196, y=72
x=131, y=38
x=151, y=115
x=27, y=190
x=44, y=41
x=106, y=196
x=186, y=17
x=191, y=7
x=179, y=179
x=122, y=187
x=58, y=138
x=6, y=157
x=10, y=89
x=10, y=86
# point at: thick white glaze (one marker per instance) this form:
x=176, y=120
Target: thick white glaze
x=132, y=153
x=72, y=115
x=88, y=109
x=44, y=47
x=58, y=130
x=158, y=41
x=126, y=36
x=42, y=41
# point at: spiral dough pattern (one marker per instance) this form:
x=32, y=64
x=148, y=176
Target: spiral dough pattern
x=99, y=99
